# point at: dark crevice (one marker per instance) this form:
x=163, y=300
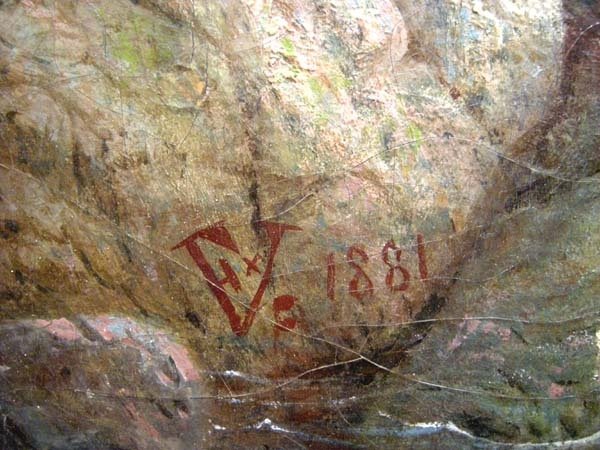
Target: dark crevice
x=513, y=381
x=486, y=427
x=129, y=294
x=43, y=289
x=172, y=14
x=413, y=335
x=256, y=214
x=13, y=436
x=10, y=229
x=395, y=352
x=249, y=97
x=536, y=192
x=10, y=295
x=125, y=249
x=574, y=47
x=164, y=410
x=76, y=158
x=194, y=318
x=90, y=269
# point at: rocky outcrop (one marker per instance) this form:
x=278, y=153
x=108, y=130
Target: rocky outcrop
x=103, y=382
x=299, y=193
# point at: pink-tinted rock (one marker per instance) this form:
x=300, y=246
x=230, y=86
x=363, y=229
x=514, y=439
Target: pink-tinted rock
x=61, y=328
x=112, y=385
x=181, y=358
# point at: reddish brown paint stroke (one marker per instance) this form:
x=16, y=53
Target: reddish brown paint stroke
x=360, y=286
x=216, y=234
x=389, y=278
x=331, y=277
x=275, y=232
x=359, y=274
x=422, y=259
x=281, y=304
x=214, y=284
x=252, y=265
x=219, y=235
x=230, y=276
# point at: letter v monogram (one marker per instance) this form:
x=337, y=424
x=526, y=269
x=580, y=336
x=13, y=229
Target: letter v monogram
x=219, y=235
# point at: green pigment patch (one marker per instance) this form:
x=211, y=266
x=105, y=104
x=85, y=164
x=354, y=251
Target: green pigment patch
x=414, y=133
x=142, y=44
x=316, y=88
x=289, y=50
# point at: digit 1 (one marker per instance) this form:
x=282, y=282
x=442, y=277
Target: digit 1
x=421, y=253
x=331, y=277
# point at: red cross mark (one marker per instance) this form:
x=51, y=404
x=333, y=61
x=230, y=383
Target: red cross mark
x=252, y=266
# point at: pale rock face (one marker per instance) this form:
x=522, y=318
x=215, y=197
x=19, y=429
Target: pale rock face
x=501, y=60
x=147, y=122
x=339, y=165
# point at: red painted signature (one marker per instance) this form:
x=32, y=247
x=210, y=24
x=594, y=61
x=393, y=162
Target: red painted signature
x=360, y=285
x=219, y=235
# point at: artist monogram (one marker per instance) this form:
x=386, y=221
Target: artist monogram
x=360, y=285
